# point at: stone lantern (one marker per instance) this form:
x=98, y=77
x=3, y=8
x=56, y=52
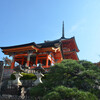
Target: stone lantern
x=17, y=81
x=38, y=72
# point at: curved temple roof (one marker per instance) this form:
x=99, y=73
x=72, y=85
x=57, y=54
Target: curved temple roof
x=55, y=43
x=46, y=44
x=22, y=45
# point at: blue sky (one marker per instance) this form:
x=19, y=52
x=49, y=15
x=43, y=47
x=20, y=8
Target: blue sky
x=25, y=21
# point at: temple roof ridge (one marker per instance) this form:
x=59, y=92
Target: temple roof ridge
x=21, y=45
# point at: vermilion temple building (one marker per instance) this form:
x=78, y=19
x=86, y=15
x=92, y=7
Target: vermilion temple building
x=47, y=53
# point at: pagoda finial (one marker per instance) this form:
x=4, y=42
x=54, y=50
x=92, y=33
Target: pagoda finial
x=63, y=30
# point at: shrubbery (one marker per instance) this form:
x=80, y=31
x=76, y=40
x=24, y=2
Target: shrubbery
x=64, y=93
x=80, y=78
x=26, y=76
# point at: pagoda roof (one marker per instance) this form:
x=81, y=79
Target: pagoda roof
x=71, y=52
x=54, y=43
x=40, y=45
x=22, y=45
x=49, y=44
x=74, y=43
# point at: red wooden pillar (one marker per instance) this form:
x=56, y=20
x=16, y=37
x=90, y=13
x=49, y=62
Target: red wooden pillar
x=51, y=61
x=28, y=59
x=23, y=60
x=13, y=62
x=41, y=61
x=36, y=60
x=47, y=61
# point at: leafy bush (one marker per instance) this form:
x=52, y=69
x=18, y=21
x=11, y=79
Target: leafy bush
x=82, y=75
x=37, y=90
x=12, y=77
x=52, y=96
x=26, y=76
x=64, y=93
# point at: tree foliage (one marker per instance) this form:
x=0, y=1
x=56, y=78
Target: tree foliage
x=78, y=77
x=64, y=93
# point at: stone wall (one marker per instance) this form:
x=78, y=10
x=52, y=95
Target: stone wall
x=1, y=70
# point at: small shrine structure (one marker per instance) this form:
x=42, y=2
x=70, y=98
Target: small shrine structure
x=47, y=53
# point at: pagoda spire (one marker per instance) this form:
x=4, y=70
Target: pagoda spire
x=63, y=30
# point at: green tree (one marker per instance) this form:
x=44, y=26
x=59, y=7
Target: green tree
x=83, y=75
x=64, y=93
